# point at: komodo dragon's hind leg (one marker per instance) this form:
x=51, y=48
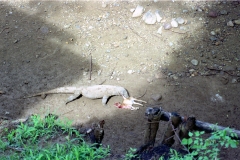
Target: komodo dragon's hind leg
x=73, y=97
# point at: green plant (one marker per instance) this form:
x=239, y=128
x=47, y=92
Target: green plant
x=130, y=154
x=47, y=138
x=204, y=149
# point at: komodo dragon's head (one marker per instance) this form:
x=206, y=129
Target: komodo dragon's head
x=124, y=93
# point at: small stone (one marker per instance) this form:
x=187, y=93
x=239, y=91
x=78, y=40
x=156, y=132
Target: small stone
x=234, y=80
x=160, y=30
x=156, y=97
x=185, y=11
x=159, y=18
x=132, y=10
x=237, y=21
x=194, y=62
x=213, y=38
x=200, y=19
x=230, y=24
x=223, y=12
x=149, y=18
x=213, y=33
x=149, y=80
x=104, y=5
x=130, y=71
x=167, y=26
x=180, y=20
x=138, y=11
x=212, y=14
x=174, y=23
x=44, y=29
x=15, y=41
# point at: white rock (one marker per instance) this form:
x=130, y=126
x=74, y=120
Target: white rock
x=104, y=5
x=180, y=20
x=160, y=30
x=138, y=11
x=194, y=62
x=130, y=72
x=132, y=10
x=237, y=21
x=149, y=18
x=230, y=24
x=213, y=33
x=174, y=23
x=159, y=18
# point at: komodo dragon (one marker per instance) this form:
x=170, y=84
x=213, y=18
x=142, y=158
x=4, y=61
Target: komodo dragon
x=92, y=92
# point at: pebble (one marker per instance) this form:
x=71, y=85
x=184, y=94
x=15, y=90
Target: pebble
x=194, y=62
x=138, y=11
x=213, y=33
x=130, y=71
x=212, y=14
x=180, y=20
x=167, y=26
x=223, y=12
x=149, y=18
x=160, y=30
x=156, y=97
x=213, y=38
x=159, y=18
x=230, y=24
x=174, y=23
x=150, y=80
x=132, y=10
x=44, y=29
x=185, y=11
x=104, y=5
x=237, y=21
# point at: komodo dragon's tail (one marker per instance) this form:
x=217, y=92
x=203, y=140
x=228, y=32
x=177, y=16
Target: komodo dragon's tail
x=61, y=90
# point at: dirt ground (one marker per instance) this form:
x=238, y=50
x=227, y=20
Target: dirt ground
x=45, y=45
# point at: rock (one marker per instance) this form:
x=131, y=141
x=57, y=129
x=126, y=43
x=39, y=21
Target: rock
x=150, y=80
x=149, y=18
x=213, y=33
x=44, y=29
x=156, y=97
x=180, y=20
x=138, y=11
x=230, y=24
x=132, y=10
x=160, y=30
x=159, y=18
x=130, y=72
x=223, y=12
x=174, y=23
x=213, y=38
x=234, y=80
x=194, y=62
x=212, y=14
x=237, y=21
x=167, y=26
x=104, y=5
x=185, y=11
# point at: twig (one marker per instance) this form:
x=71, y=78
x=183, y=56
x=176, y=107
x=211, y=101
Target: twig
x=4, y=29
x=143, y=93
x=179, y=138
x=90, y=72
x=178, y=32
